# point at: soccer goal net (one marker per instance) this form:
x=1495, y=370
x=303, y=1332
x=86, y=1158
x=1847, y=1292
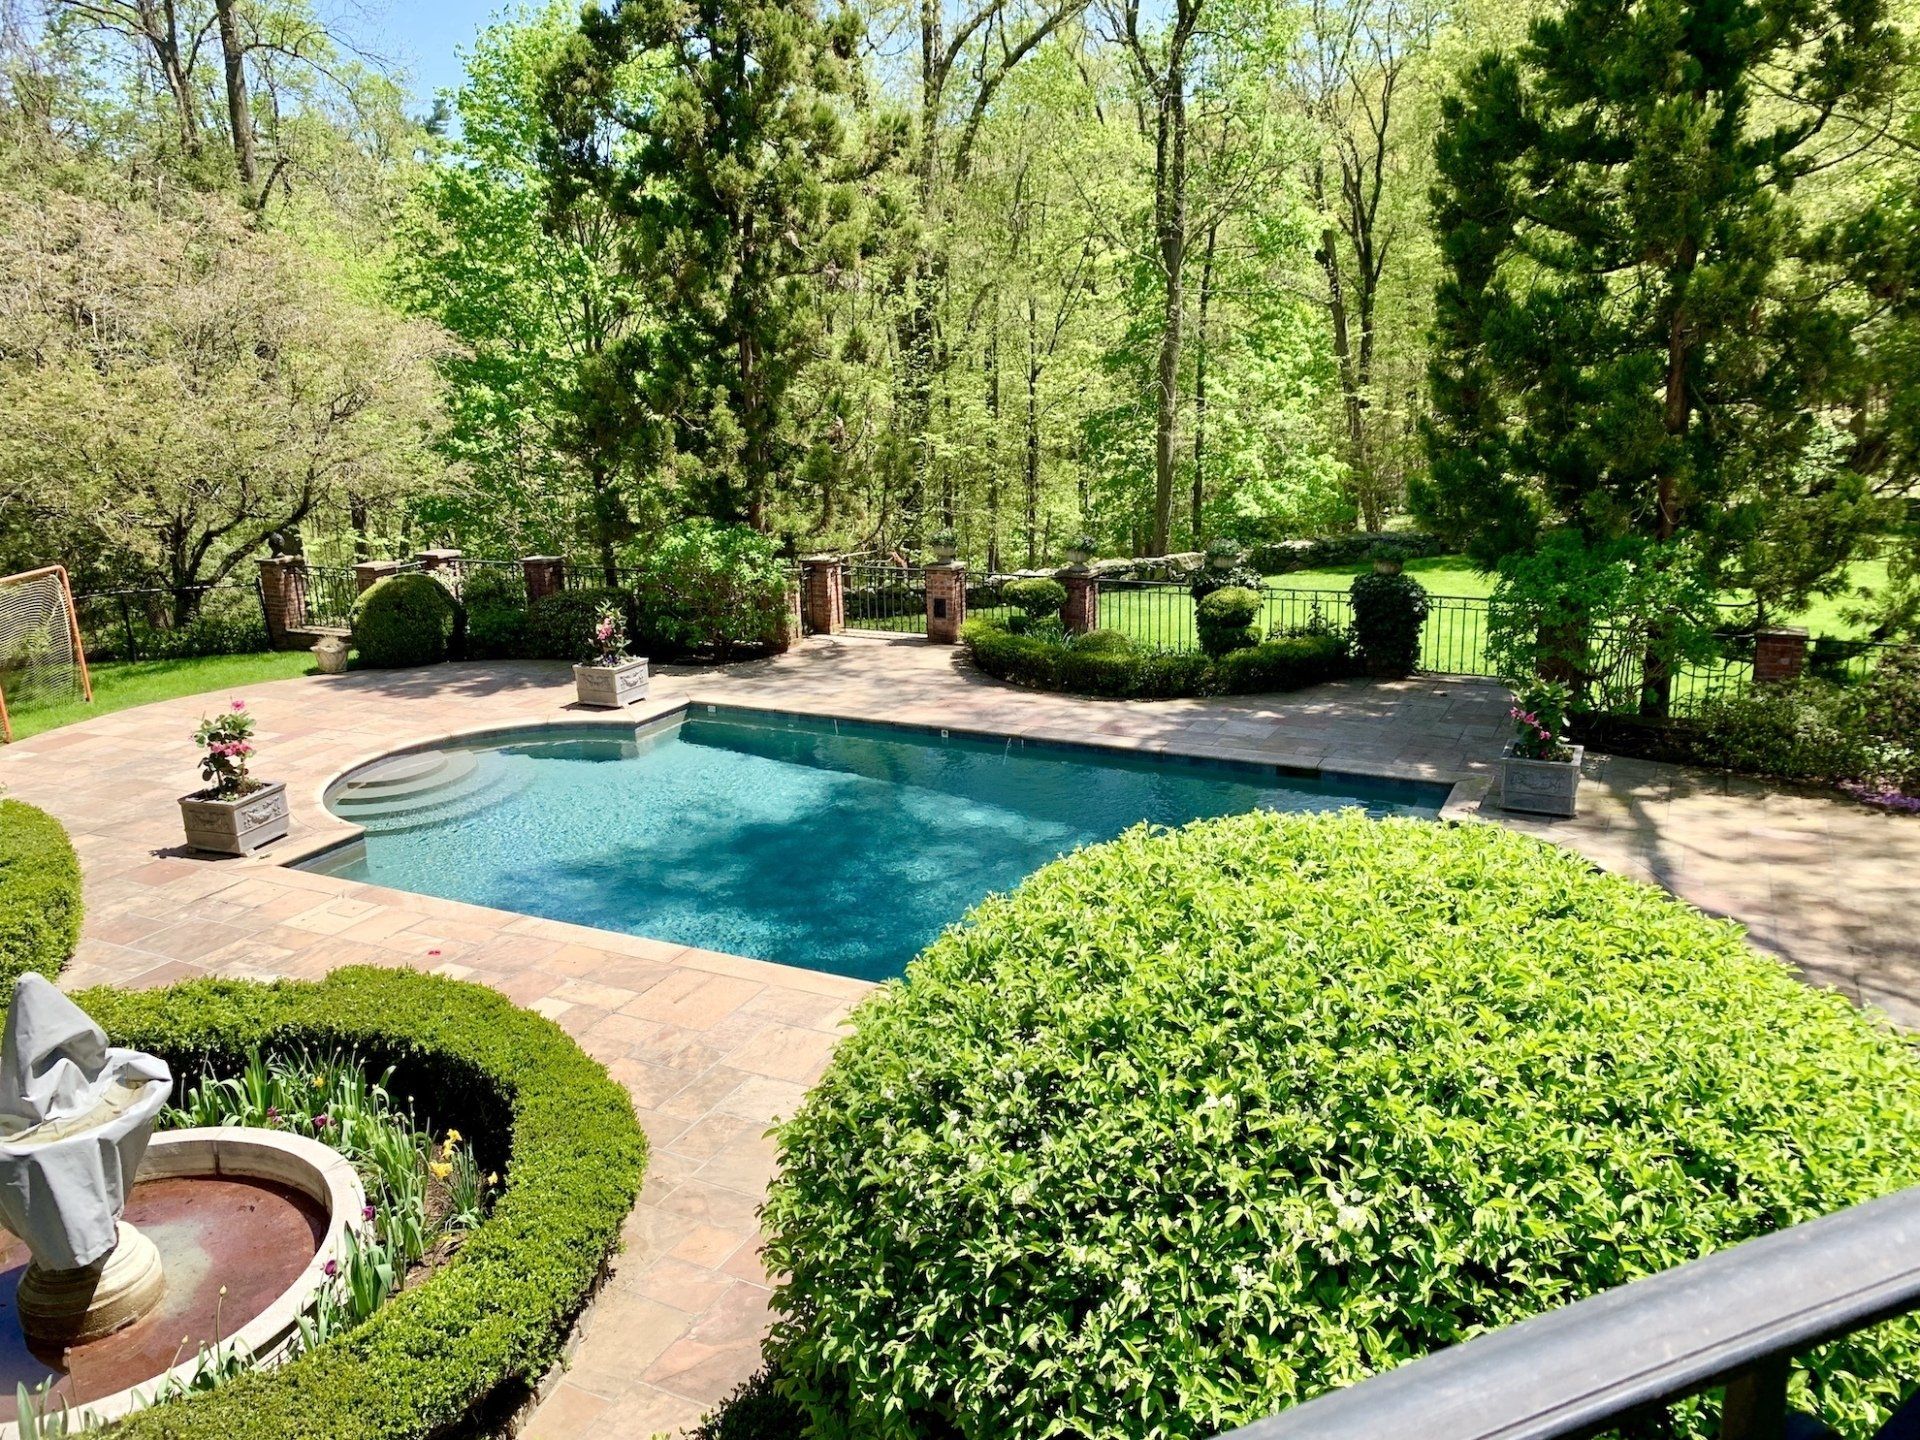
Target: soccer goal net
x=42, y=659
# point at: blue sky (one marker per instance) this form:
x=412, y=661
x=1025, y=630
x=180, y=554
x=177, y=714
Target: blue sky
x=422, y=35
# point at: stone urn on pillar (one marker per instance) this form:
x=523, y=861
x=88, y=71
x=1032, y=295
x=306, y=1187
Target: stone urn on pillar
x=75, y=1118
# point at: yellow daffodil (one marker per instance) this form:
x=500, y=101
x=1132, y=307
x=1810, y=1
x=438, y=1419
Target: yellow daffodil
x=319, y=1082
x=493, y=1179
x=453, y=1137
x=441, y=1169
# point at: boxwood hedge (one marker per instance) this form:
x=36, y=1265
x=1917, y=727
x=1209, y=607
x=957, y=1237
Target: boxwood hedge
x=39, y=894
x=1111, y=664
x=406, y=620
x=1197, y=1124
x=464, y=1342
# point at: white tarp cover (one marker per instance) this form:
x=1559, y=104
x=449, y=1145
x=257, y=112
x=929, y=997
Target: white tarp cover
x=75, y=1114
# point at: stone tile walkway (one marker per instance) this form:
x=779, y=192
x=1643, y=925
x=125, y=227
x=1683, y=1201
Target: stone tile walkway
x=714, y=1047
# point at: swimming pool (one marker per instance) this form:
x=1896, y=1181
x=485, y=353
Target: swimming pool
x=829, y=844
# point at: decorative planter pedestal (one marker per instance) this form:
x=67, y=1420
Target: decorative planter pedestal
x=611, y=687
x=236, y=827
x=331, y=655
x=1541, y=787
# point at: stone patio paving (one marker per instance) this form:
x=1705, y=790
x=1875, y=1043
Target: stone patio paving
x=714, y=1047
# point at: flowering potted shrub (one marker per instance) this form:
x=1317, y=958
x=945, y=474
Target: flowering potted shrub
x=1540, y=771
x=236, y=814
x=610, y=678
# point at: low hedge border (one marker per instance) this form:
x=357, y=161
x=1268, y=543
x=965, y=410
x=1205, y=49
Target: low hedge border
x=40, y=904
x=464, y=1345
x=1109, y=664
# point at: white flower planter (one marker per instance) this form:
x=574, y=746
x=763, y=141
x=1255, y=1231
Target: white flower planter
x=331, y=655
x=236, y=827
x=1541, y=787
x=611, y=687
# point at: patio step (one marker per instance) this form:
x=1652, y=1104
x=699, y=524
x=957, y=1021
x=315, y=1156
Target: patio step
x=410, y=792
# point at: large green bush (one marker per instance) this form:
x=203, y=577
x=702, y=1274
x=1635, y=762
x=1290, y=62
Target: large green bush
x=40, y=905
x=1036, y=597
x=1197, y=1124
x=1388, y=614
x=708, y=589
x=1108, y=663
x=405, y=620
x=560, y=626
x=452, y=1350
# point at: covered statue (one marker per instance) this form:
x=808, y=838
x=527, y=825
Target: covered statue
x=75, y=1117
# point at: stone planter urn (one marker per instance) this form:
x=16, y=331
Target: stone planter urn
x=331, y=655
x=1388, y=566
x=239, y=826
x=611, y=687
x=1540, y=787
x=944, y=546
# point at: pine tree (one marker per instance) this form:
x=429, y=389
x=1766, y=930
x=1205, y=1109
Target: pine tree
x=1635, y=336
x=740, y=183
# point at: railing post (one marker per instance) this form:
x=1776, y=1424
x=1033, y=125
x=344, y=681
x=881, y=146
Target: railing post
x=369, y=573
x=1755, y=1407
x=823, y=594
x=283, y=597
x=545, y=575
x=1081, y=612
x=946, y=600
x=1779, y=656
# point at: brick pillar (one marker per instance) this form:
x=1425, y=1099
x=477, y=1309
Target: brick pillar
x=823, y=594
x=1779, y=656
x=283, y=596
x=545, y=575
x=439, y=560
x=369, y=573
x=946, y=600
x=1081, y=612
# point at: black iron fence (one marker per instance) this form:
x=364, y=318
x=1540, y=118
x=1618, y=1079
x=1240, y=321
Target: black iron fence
x=888, y=598
x=156, y=623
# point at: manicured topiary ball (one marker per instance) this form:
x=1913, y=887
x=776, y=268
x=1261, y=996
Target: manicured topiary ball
x=1197, y=1124
x=405, y=620
x=40, y=907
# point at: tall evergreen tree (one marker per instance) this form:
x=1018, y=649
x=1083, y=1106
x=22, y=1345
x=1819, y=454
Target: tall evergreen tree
x=1635, y=335
x=738, y=176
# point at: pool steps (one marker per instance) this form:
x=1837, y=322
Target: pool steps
x=431, y=788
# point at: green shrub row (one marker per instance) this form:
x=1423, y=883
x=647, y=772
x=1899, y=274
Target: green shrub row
x=1109, y=663
x=1198, y=1124
x=463, y=1344
x=1276, y=557
x=40, y=905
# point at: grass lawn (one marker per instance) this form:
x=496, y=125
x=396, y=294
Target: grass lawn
x=117, y=685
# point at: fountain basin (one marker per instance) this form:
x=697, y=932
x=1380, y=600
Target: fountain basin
x=261, y=1212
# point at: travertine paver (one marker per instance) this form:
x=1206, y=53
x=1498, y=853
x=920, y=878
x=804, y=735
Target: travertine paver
x=712, y=1047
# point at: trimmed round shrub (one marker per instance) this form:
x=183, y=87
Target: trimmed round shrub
x=710, y=589
x=40, y=907
x=405, y=620
x=560, y=626
x=1388, y=612
x=1224, y=619
x=467, y=1340
x=1108, y=663
x=1198, y=1124
x=1035, y=598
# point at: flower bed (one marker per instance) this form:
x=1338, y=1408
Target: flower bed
x=40, y=905
x=464, y=1343
x=1198, y=1124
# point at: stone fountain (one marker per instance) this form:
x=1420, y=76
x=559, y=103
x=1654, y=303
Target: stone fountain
x=75, y=1118
x=239, y=1228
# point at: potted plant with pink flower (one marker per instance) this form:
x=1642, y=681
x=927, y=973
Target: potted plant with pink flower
x=1540, y=770
x=610, y=678
x=236, y=814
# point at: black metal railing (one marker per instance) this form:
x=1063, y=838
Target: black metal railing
x=324, y=594
x=889, y=598
x=1732, y=1322
x=158, y=623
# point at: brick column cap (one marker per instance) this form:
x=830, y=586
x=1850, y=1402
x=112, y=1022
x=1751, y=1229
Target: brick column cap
x=1785, y=632
x=432, y=558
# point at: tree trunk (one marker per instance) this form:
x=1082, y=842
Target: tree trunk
x=992, y=365
x=1033, y=432
x=1170, y=225
x=1351, y=403
x=239, y=112
x=1200, y=392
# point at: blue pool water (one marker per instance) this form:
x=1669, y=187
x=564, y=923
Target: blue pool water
x=828, y=844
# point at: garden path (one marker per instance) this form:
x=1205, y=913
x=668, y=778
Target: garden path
x=713, y=1047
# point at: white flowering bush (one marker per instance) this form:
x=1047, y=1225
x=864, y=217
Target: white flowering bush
x=1196, y=1125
